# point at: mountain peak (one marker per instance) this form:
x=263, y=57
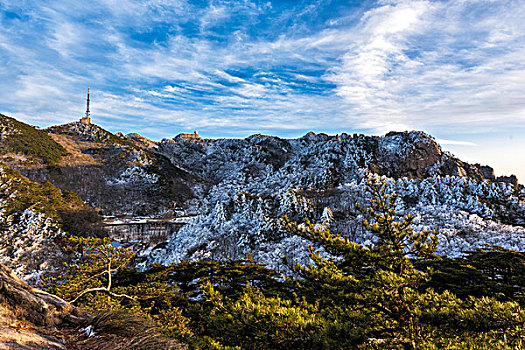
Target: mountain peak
x=89, y=132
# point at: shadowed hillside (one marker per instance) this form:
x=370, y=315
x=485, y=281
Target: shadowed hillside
x=111, y=173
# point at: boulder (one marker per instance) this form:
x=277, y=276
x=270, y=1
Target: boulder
x=31, y=319
x=36, y=306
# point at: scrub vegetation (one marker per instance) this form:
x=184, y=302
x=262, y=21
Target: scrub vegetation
x=394, y=293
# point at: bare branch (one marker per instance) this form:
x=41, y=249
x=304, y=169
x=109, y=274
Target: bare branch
x=105, y=290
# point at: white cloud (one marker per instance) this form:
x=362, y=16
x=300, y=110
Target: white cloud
x=422, y=64
x=174, y=89
x=67, y=38
x=229, y=77
x=367, y=78
x=212, y=15
x=250, y=90
x=455, y=142
x=405, y=64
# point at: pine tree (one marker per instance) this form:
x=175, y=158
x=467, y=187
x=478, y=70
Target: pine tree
x=100, y=278
x=373, y=296
x=90, y=276
x=351, y=295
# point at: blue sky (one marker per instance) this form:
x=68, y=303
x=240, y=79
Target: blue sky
x=455, y=69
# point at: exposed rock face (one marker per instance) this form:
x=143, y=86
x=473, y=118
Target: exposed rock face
x=30, y=224
x=416, y=155
x=486, y=171
x=35, y=306
x=29, y=317
x=406, y=154
x=512, y=179
x=138, y=140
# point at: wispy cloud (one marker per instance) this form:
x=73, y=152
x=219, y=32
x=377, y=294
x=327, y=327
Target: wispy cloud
x=442, y=66
x=436, y=65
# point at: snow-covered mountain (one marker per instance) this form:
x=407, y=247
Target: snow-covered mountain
x=31, y=224
x=234, y=192
x=253, y=182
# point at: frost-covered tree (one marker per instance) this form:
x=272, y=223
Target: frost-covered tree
x=375, y=297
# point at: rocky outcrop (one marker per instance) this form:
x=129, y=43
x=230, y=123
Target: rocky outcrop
x=35, y=306
x=406, y=154
x=512, y=179
x=138, y=139
x=31, y=318
x=416, y=155
x=486, y=171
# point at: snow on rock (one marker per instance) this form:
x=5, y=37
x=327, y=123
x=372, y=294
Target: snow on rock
x=27, y=244
x=255, y=181
x=134, y=175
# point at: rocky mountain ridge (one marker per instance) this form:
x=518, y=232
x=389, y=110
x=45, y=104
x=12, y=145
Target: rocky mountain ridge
x=414, y=154
x=237, y=190
x=110, y=173
x=257, y=180
x=86, y=150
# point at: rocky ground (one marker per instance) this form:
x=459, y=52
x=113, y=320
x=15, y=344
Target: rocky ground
x=31, y=319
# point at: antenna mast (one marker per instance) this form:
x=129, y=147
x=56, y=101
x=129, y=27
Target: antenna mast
x=87, y=109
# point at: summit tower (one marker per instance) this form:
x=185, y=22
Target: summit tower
x=87, y=118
